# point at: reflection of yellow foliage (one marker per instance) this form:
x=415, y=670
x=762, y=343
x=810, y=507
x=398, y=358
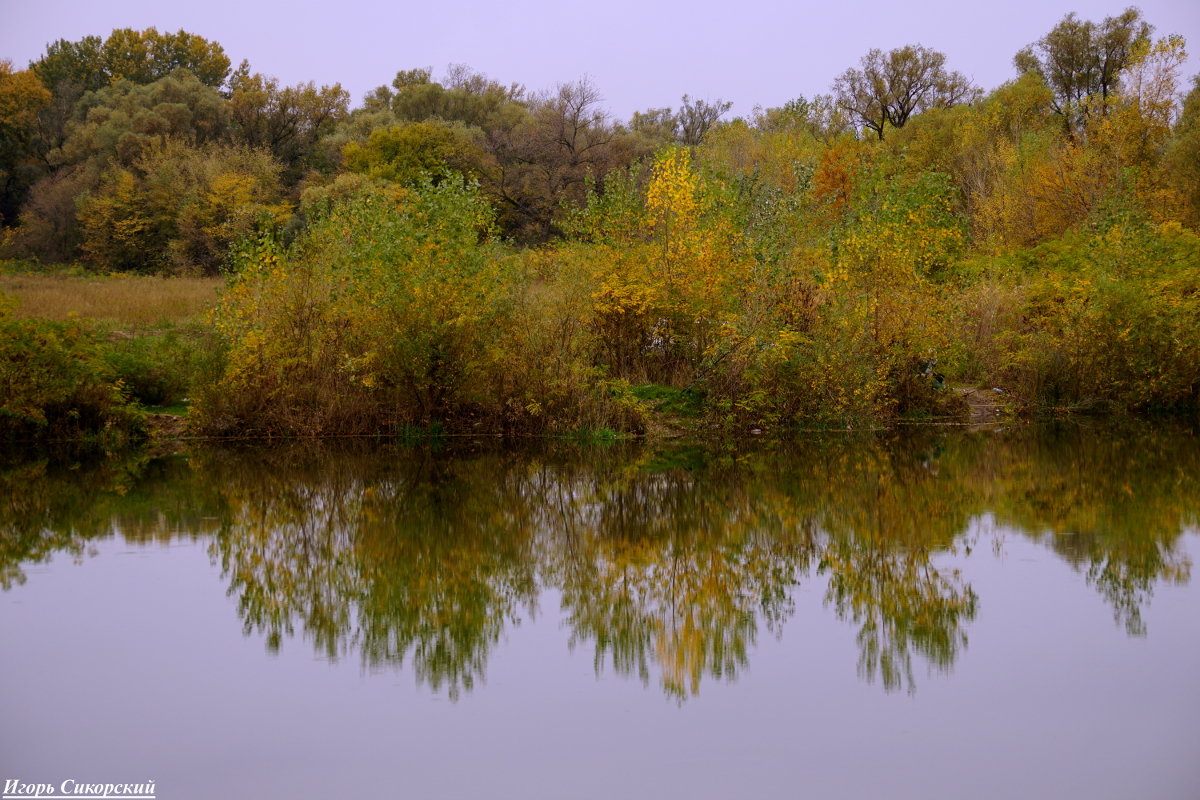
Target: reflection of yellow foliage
x=423, y=559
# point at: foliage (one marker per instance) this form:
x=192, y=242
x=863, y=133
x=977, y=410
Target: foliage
x=289, y=122
x=1113, y=318
x=178, y=208
x=891, y=87
x=1082, y=61
x=122, y=121
x=137, y=56
x=816, y=264
x=54, y=384
x=163, y=366
x=22, y=97
x=390, y=311
x=410, y=153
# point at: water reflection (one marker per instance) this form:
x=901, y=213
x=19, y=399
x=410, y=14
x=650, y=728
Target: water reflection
x=669, y=563
x=58, y=502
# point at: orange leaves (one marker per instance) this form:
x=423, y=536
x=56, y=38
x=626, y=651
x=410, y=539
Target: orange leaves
x=833, y=181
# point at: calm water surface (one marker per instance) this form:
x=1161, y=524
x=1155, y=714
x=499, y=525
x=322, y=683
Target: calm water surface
x=1002, y=614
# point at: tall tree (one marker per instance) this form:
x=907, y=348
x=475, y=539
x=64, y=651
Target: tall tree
x=888, y=88
x=22, y=96
x=1082, y=61
x=1183, y=155
x=697, y=117
x=136, y=56
x=546, y=158
x=70, y=70
x=289, y=121
x=119, y=121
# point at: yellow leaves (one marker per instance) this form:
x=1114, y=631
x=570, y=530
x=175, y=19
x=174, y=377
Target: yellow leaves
x=671, y=197
x=21, y=97
x=616, y=296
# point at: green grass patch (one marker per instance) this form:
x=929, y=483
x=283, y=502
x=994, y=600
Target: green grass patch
x=669, y=400
x=161, y=366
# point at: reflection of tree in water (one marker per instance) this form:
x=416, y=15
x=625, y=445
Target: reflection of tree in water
x=885, y=507
x=903, y=604
x=685, y=588
x=420, y=559
x=681, y=567
x=667, y=562
x=671, y=568
x=1111, y=504
x=449, y=564
x=59, y=501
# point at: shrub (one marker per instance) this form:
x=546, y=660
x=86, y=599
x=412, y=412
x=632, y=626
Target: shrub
x=163, y=366
x=393, y=309
x=54, y=384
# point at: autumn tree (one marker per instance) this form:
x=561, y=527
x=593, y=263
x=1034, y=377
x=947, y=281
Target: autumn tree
x=1147, y=102
x=137, y=56
x=890, y=87
x=697, y=117
x=1183, y=153
x=412, y=152
x=178, y=207
x=22, y=96
x=112, y=128
x=1082, y=61
x=289, y=121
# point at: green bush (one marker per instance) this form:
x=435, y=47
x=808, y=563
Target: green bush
x=394, y=309
x=1113, y=321
x=161, y=367
x=55, y=384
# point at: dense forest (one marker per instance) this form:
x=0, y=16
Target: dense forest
x=461, y=254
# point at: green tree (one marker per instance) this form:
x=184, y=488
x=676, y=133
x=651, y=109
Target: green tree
x=289, y=121
x=412, y=152
x=466, y=96
x=1082, y=61
x=119, y=122
x=890, y=87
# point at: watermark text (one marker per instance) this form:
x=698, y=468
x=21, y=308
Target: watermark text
x=71, y=789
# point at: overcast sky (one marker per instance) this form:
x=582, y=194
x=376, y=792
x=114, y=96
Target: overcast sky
x=639, y=53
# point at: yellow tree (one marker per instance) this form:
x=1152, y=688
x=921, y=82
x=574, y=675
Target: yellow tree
x=21, y=97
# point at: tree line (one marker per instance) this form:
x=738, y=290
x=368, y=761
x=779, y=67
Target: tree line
x=149, y=151
x=468, y=253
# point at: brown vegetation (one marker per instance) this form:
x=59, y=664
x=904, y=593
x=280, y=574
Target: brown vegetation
x=127, y=300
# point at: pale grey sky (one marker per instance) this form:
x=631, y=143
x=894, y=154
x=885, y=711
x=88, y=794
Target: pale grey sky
x=639, y=53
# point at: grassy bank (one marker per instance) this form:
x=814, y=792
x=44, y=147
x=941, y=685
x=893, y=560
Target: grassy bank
x=84, y=356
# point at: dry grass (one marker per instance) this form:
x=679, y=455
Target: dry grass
x=125, y=299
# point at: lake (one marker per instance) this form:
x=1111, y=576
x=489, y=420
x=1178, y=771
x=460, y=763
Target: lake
x=928, y=613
